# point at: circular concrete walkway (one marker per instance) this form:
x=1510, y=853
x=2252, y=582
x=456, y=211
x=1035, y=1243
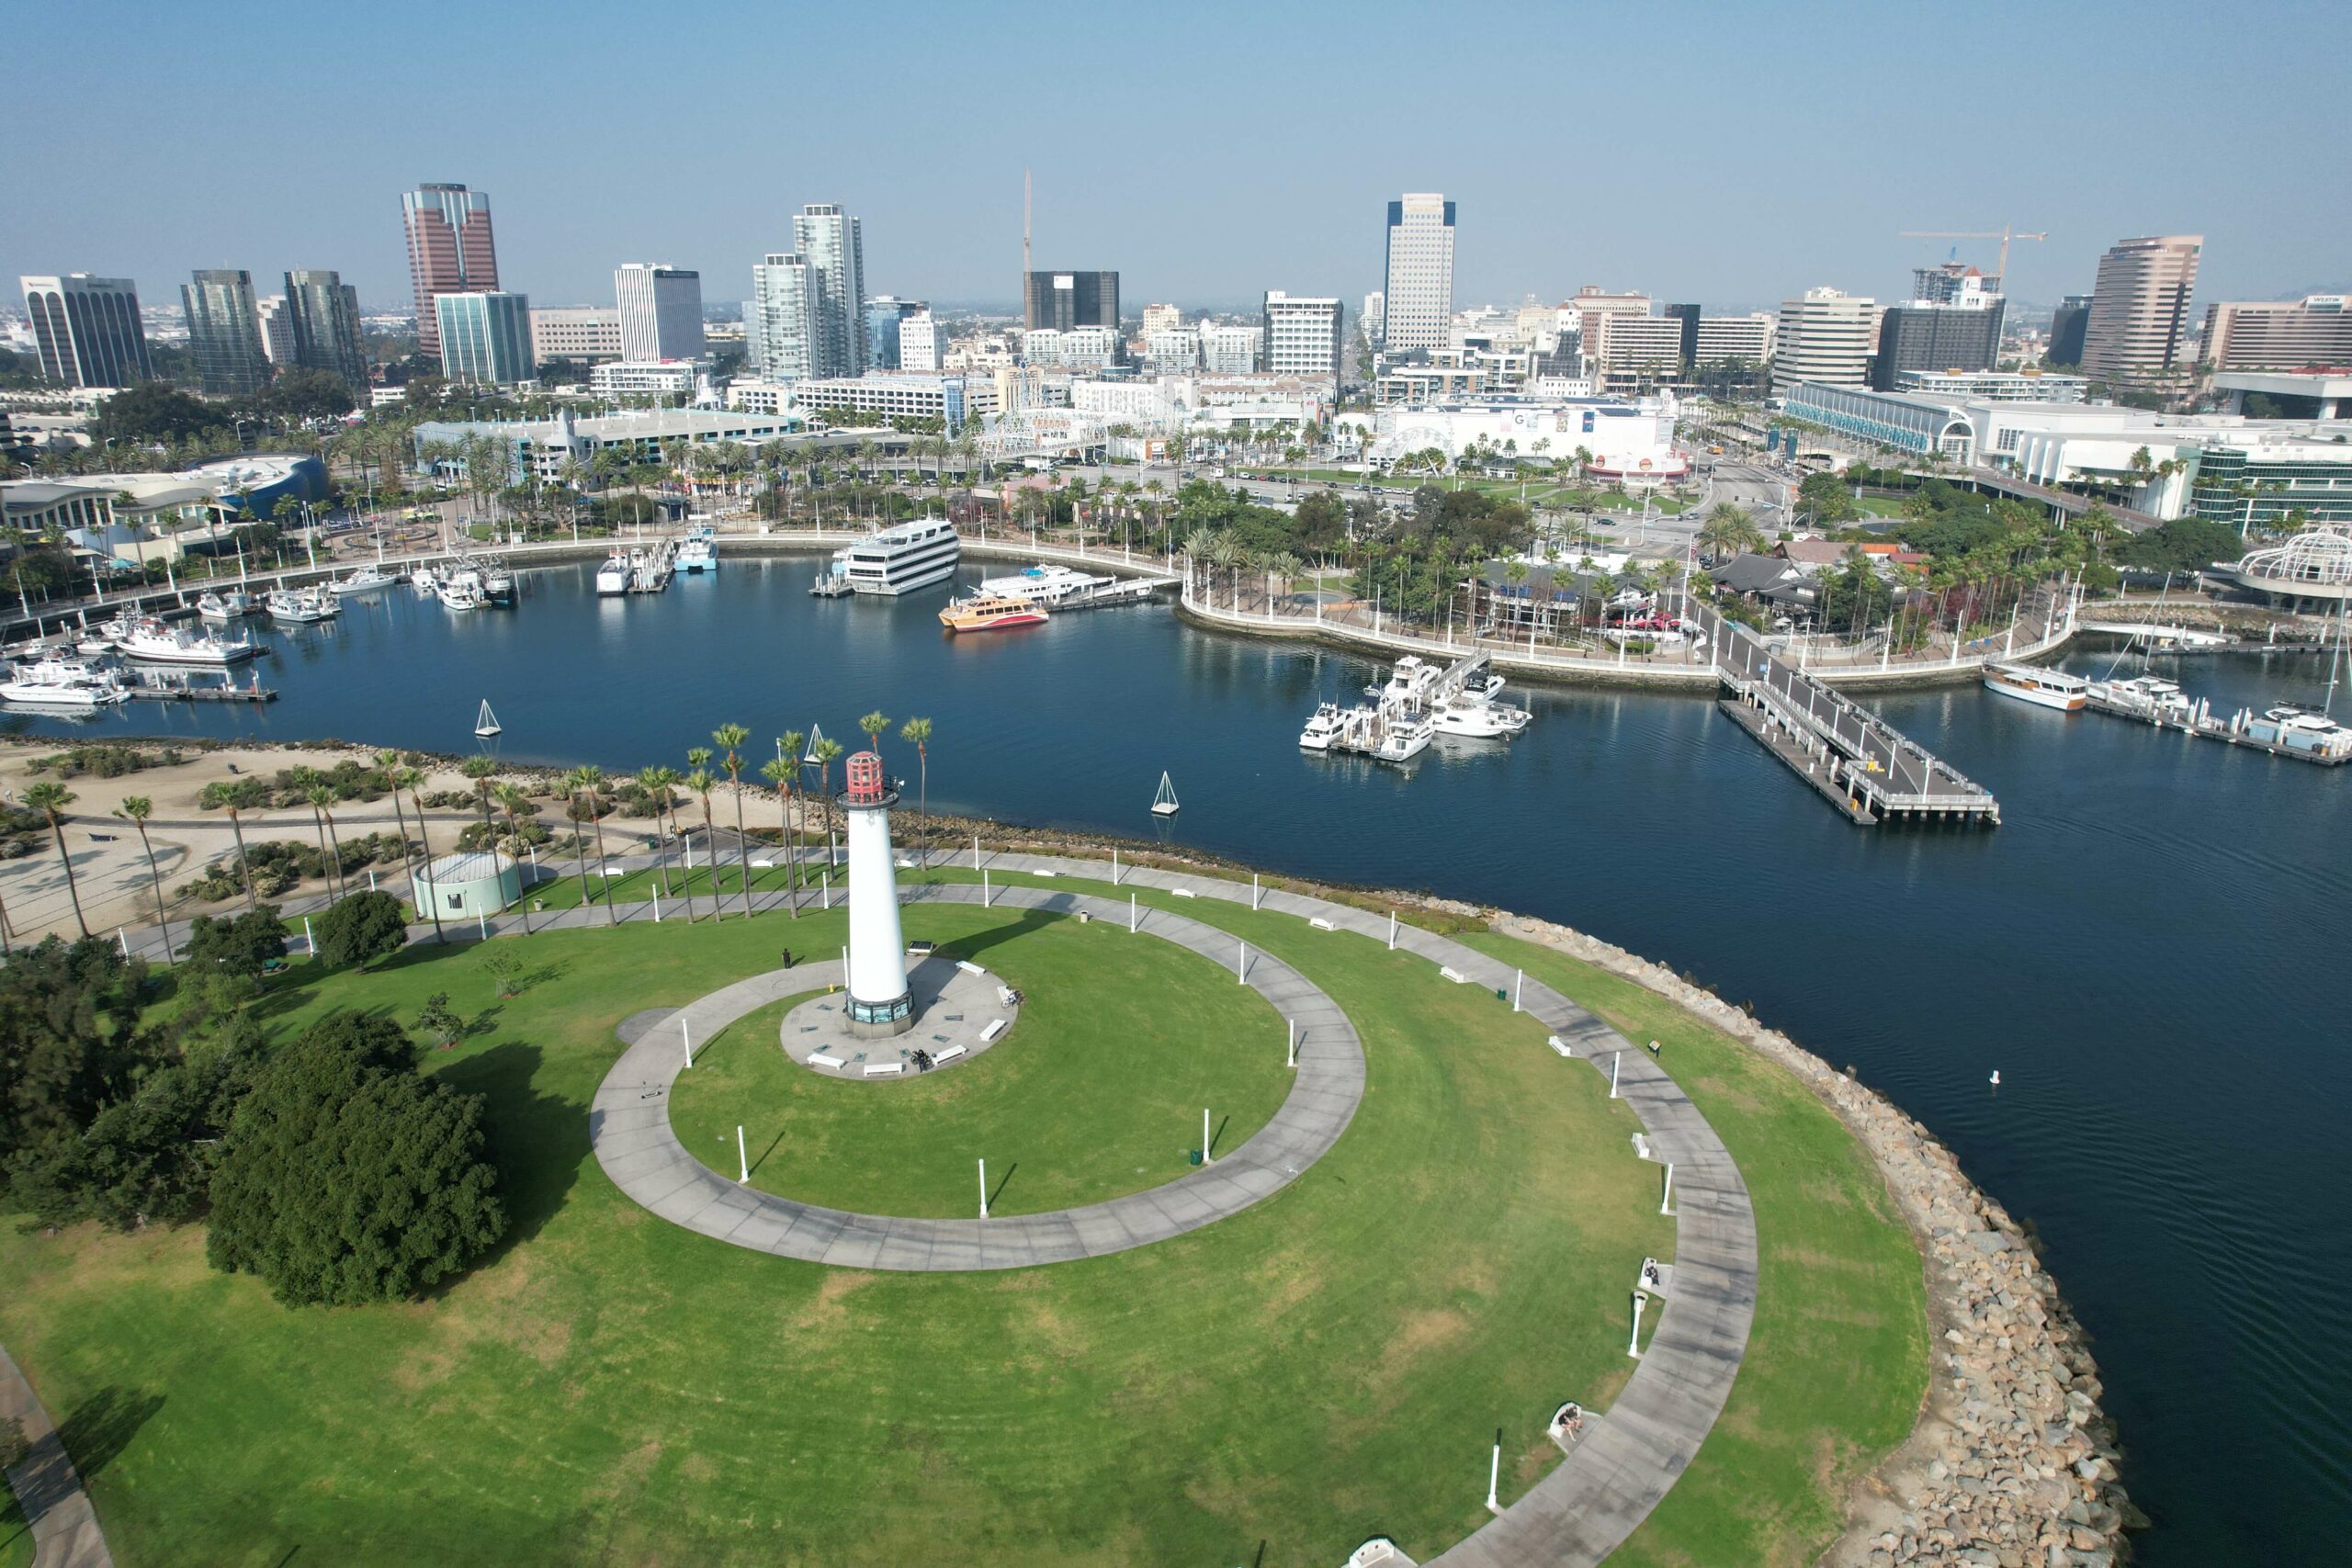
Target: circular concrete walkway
x=628, y=1126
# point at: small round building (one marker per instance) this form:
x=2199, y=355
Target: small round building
x=468, y=884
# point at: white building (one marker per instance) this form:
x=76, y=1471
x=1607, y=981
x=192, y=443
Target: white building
x=1303, y=337
x=629, y=377
x=1144, y=404
x=776, y=319
x=1993, y=386
x=587, y=333
x=1824, y=338
x=1418, y=286
x=543, y=446
x=1626, y=439
x=1161, y=319
x=1227, y=350
x=899, y=395
x=1748, y=337
x=659, y=309
x=919, y=343
x=1071, y=348
x=1172, y=353
x=277, y=318
x=1375, y=315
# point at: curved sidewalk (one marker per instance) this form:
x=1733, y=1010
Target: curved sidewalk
x=628, y=1126
x=49, y=1490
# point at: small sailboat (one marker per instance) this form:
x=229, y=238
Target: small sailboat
x=1164, y=803
x=816, y=739
x=486, y=723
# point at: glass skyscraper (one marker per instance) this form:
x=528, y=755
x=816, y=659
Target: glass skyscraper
x=832, y=246
x=325, y=311
x=87, y=330
x=450, y=250
x=485, y=336
x=224, y=332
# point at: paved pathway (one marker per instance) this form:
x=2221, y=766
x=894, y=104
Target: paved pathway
x=628, y=1126
x=65, y=1527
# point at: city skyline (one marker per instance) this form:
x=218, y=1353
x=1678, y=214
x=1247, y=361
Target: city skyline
x=1779, y=215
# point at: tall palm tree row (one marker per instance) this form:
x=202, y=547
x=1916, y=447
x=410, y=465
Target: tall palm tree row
x=788, y=751
x=591, y=780
x=572, y=785
x=729, y=739
x=700, y=782
x=320, y=796
x=413, y=781
x=777, y=772
x=828, y=751
x=219, y=795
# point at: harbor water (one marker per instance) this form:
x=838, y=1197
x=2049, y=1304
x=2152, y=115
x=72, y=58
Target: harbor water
x=2151, y=949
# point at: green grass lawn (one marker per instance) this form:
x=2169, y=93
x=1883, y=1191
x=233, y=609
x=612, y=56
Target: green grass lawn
x=1098, y=1091
x=15, y=1534
x=1836, y=1363
x=1330, y=1363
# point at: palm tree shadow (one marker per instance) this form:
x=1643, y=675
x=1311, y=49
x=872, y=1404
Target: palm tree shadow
x=84, y=1445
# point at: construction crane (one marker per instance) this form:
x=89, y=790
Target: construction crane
x=2003, y=234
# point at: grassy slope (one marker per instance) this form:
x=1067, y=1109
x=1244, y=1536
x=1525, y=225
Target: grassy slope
x=1836, y=1362
x=611, y=1387
x=1098, y=1091
x=16, y=1535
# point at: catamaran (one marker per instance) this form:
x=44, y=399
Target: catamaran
x=989, y=612
x=486, y=722
x=1164, y=803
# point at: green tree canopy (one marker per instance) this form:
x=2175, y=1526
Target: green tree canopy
x=361, y=929
x=347, y=1176
x=154, y=412
x=238, y=945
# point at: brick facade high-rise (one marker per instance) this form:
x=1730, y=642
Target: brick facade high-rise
x=450, y=251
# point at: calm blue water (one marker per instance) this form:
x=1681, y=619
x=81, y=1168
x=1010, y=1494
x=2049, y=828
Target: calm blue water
x=2152, y=950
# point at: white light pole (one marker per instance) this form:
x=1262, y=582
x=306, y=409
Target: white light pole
x=1293, y=1053
x=741, y=1158
x=986, y=893
x=975, y=852
x=1131, y=914
x=1517, y=987
x=309, y=942
x=1241, y=965
x=1254, y=894
x=1114, y=868
x=686, y=1040
x=1613, y=1073
x=984, y=1190
x=1666, y=1199
x=1392, y=930
x=1634, y=1345
x=825, y=887
x=1495, y=1475
x=1204, y=1135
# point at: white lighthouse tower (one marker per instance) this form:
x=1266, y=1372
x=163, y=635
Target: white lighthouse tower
x=879, y=1001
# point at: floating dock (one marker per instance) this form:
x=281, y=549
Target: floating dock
x=1129, y=590
x=2245, y=729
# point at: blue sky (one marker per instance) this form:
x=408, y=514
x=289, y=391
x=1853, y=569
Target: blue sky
x=1729, y=153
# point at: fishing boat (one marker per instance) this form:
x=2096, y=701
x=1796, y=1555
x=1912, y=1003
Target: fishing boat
x=1323, y=731
x=1164, y=803
x=486, y=722
x=65, y=685
x=367, y=580
x=2032, y=683
x=699, y=551
x=989, y=612
x=612, y=576
x=152, y=642
x=302, y=605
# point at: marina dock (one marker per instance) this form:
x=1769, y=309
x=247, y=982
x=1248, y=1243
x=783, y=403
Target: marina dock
x=1129, y=590
x=2261, y=733
x=651, y=569
x=1865, y=767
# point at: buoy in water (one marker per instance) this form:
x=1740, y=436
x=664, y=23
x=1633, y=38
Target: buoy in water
x=1997, y=1078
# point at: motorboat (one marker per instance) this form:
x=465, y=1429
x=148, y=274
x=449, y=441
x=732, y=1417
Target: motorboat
x=1409, y=683
x=2147, y=697
x=152, y=642
x=63, y=684
x=2301, y=729
x=1045, y=584
x=302, y=605
x=1403, y=740
x=367, y=580
x=233, y=605
x=2044, y=688
x=614, y=575
x=462, y=590
x=94, y=647
x=497, y=581
x=1323, y=731
x=425, y=580
x=699, y=551
x=989, y=612
x=1479, y=718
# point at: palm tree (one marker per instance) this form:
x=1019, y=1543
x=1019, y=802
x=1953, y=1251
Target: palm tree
x=660, y=781
x=413, y=781
x=219, y=795
x=828, y=751
x=788, y=751
x=135, y=809
x=874, y=724
x=700, y=782
x=917, y=732
x=511, y=800
x=320, y=796
x=730, y=737
x=389, y=761
x=51, y=799
x=479, y=770
x=778, y=771
x=591, y=779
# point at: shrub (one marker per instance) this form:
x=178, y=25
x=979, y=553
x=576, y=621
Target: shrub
x=106, y=760
x=347, y=1176
x=238, y=945
x=362, y=927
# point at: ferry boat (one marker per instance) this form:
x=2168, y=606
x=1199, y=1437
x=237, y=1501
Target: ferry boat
x=367, y=580
x=152, y=642
x=1323, y=731
x=228, y=606
x=699, y=552
x=302, y=605
x=2032, y=683
x=901, y=559
x=63, y=684
x=612, y=576
x=1479, y=718
x=1045, y=584
x=990, y=613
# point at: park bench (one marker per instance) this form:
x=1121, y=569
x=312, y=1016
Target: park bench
x=950, y=1054
x=992, y=1031
x=968, y=967
x=885, y=1069
x=1320, y=924
x=825, y=1059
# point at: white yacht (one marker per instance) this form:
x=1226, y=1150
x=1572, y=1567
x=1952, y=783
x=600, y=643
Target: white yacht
x=1323, y=731
x=302, y=605
x=462, y=590
x=2147, y=697
x=497, y=580
x=1043, y=584
x=1479, y=717
x=699, y=552
x=1404, y=739
x=231, y=606
x=155, y=643
x=425, y=580
x=2032, y=683
x=94, y=646
x=367, y=580
x=1409, y=683
x=903, y=559
x=66, y=685
x=612, y=576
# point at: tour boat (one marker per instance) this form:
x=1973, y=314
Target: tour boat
x=901, y=559
x=1043, y=584
x=1324, y=729
x=699, y=551
x=2032, y=683
x=228, y=606
x=1164, y=803
x=612, y=576
x=486, y=722
x=155, y=643
x=302, y=605
x=1479, y=718
x=65, y=684
x=1404, y=739
x=988, y=613
x=367, y=580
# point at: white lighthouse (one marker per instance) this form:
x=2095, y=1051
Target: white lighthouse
x=879, y=1001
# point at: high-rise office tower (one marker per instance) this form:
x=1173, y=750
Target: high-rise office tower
x=485, y=336
x=775, y=319
x=832, y=246
x=1303, y=337
x=224, y=332
x=2139, y=314
x=1922, y=336
x=1417, y=300
x=2279, y=334
x=1825, y=337
x=1060, y=301
x=87, y=330
x=276, y=329
x=2068, y=324
x=883, y=316
x=660, y=308
x=450, y=250
x=325, y=311
x=918, y=341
